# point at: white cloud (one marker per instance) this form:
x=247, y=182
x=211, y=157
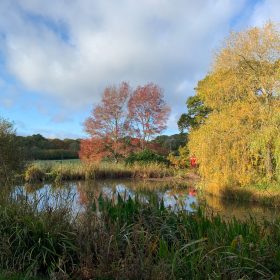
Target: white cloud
x=9, y=94
x=264, y=11
x=72, y=49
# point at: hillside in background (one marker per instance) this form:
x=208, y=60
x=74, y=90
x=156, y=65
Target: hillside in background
x=171, y=143
x=38, y=147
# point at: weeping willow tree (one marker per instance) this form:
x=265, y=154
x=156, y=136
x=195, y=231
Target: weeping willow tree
x=239, y=143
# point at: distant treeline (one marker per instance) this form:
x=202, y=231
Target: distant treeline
x=37, y=147
x=171, y=143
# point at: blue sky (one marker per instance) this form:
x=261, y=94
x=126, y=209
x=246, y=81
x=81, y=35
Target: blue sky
x=57, y=56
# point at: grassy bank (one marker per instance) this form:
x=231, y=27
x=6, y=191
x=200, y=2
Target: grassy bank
x=76, y=170
x=131, y=240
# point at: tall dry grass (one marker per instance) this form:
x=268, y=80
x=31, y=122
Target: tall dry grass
x=63, y=171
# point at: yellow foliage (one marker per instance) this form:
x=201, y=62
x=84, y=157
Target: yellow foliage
x=247, y=68
x=239, y=143
x=177, y=161
x=221, y=146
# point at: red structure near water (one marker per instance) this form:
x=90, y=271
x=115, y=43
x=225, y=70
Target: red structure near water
x=193, y=161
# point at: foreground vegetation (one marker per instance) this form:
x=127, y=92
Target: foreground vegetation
x=133, y=240
x=9, y=275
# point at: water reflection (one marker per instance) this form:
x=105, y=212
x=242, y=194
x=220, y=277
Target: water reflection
x=77, y=195
x=49, y=196
x=240, y=210
x=175, y=200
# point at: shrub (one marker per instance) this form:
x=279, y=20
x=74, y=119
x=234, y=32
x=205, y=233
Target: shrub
x=145, y=157
x=11, y=158
x=177, y=161
x=34, y=174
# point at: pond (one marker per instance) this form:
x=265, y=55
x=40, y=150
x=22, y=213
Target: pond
x=77, y=196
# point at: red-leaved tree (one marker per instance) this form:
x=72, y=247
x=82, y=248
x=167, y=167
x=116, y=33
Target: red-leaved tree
x=148, y=112
x=108, y=125
x=93, y=149
x=123, y=122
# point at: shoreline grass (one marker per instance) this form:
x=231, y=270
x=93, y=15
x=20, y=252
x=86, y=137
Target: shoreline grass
x=63, y=171
x=134, y=240
x=67, y=171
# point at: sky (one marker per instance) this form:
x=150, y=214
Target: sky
x=57, y=56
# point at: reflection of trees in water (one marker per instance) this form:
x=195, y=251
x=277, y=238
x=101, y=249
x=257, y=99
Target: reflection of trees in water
x=79, y=195
x=31, y=188
x=44, y=196
x=145, y=191
x=92, y=190
x=240, y=210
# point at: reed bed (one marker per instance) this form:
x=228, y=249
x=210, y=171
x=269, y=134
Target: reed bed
x=34, y=242
x=130, y=239
x=65, y=171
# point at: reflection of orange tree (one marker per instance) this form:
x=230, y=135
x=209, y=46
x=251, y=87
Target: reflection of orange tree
x=83, y=197
x=88, y=191
x=91, y=190
x=179, y=191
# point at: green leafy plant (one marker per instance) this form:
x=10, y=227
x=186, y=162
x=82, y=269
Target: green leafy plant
x=145, y=157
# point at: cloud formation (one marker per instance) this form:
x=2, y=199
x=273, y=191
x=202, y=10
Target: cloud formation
x=264, y=11
x=71, y=50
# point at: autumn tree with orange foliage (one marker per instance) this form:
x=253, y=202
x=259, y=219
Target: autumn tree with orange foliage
x=148, y=112
x=107, y=126
x=93, y=149
x=123, y=122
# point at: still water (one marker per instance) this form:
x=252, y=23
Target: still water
x=77, y=195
